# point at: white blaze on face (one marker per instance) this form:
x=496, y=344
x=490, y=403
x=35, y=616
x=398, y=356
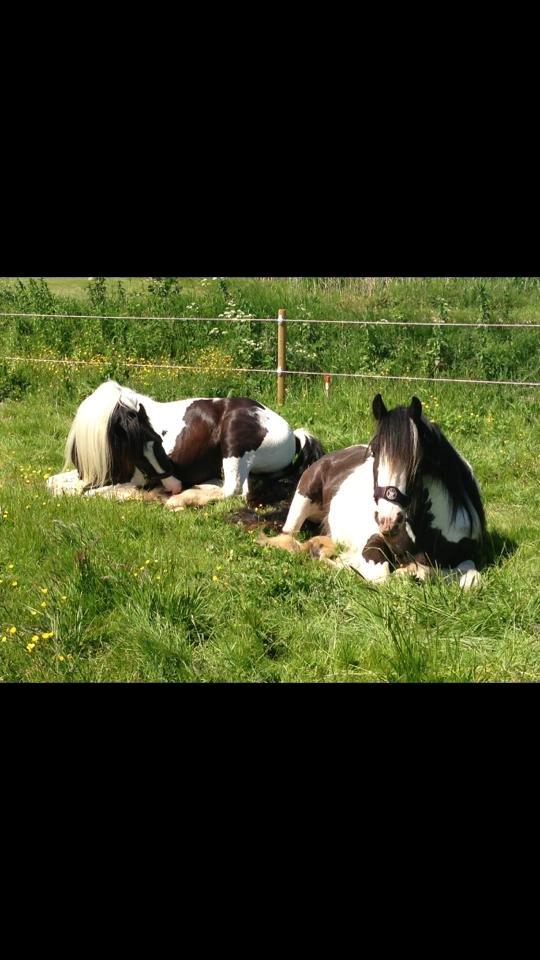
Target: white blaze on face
x=170, y=483
x=393, y=475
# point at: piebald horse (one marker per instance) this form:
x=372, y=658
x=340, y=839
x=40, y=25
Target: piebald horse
x=407, y=501
x=121, y=441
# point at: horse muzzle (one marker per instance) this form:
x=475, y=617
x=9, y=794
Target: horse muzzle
x=390, y=526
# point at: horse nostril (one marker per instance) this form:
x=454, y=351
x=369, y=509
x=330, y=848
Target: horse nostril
x=400, y=518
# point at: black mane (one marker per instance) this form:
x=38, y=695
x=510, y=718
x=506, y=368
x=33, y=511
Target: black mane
x=442, y=461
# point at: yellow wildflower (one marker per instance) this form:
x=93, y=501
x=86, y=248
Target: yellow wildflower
x=12, y=631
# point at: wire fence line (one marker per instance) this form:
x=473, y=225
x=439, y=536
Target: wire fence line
x=273, y=371
x=532, y=325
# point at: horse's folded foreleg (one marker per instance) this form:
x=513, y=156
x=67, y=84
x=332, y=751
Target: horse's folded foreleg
x=117, y=491
x=197, y=496
x=419, y=570
x=65, y=484
x=371, y=570
x=466, y=573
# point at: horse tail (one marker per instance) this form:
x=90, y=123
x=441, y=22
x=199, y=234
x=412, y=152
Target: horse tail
x=268, y=488
x=87, y=445
x=308, y=451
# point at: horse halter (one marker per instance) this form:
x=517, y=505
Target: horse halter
x=393, y=495
x=149, y=471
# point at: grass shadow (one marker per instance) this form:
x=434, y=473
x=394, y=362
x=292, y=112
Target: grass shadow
x=497, y=548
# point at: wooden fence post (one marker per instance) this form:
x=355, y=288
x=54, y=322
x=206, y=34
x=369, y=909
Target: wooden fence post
x=282, y=356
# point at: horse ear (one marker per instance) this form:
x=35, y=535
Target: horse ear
x=379, y=409
x=121, y=420
x=415, y=409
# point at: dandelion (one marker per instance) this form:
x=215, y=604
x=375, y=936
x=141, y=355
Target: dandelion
x=44, y=589
x=61, y=658
x=35, y=638
x=14, y=583
x=43, y=603
x=12, y=631
x=4, y=639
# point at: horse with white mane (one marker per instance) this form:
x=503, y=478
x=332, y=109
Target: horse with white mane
x=407, y=501
x=120, y=441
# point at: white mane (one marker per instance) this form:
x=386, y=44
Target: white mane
x=89, y=431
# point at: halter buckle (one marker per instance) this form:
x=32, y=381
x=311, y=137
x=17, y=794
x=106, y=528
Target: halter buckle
x=393, y=495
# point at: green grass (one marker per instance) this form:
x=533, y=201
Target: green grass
x=135, y=593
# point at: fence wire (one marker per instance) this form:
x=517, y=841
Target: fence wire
x=351, y=323
x=275, y=371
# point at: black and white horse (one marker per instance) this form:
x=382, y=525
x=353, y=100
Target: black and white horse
x=121, y=440
x=406, y=501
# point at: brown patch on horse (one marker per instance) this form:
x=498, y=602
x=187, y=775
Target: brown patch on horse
x=214, y=429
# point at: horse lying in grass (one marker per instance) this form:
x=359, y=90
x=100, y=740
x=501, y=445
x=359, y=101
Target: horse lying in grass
x=120, y=442
x=406, y=502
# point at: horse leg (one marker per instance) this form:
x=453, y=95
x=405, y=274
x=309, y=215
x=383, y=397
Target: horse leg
x=236, y=474
x=117, y=491
x=414, y=569
x=197, y=496
x=466, y=573
x=300, y=510
x=65, y=483
x=371, y=570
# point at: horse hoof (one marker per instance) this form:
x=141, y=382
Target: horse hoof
x=470, y=579
x=175, y=503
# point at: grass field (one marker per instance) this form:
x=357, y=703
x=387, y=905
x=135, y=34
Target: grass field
x=92, y=590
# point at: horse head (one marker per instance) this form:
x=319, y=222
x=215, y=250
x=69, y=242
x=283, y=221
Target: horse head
x=134, y=444
x=397, y=450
